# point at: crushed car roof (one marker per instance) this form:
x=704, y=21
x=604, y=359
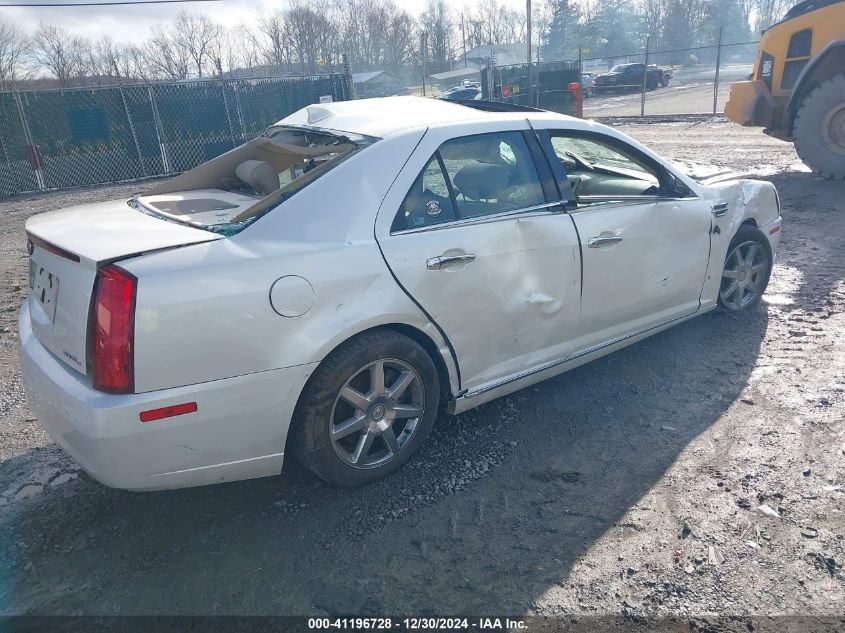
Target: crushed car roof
x=380, y=117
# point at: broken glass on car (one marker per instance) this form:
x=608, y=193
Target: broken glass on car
x=231, y=191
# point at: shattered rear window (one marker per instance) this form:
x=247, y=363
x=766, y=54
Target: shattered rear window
x=230, y=192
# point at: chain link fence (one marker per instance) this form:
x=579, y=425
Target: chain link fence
x=689, y=81
x=683, y=81
x=63, y=138
x=545, y=85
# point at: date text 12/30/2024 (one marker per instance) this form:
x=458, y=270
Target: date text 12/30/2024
x=417, y=624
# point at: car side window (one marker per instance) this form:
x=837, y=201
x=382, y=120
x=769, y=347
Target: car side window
x=472, y=176
x=491, y=173
x=599, y=170
x=428, y=202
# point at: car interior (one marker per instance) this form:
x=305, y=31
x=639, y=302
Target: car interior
x=241, y=183
x=488, y=173
x=594, y=168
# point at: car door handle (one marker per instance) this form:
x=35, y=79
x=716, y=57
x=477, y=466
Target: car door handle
x=442, y=261
x=597, y=242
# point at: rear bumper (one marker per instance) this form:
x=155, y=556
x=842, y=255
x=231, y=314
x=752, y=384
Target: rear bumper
x=237, y=432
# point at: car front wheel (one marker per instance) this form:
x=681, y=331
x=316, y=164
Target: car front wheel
x=747, y=269
x=367, y=409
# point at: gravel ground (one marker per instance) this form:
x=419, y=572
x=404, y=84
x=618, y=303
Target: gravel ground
x=700, y=472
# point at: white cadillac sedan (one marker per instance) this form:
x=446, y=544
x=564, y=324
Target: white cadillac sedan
x=325, y=288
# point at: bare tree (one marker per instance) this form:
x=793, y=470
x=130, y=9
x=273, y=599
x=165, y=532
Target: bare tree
x=436, y=20
x=311, y=35
x=197, y=35
x=135, y=63
x=684, y=19
x=273, y=39
x=768, y=12
x=236, y=47
x=15, y=48
x=308, y=26
x=60, y=53
x=164, y=56
x=500, y=25
x=653, y=15
x=104, y=60
x=399, y=39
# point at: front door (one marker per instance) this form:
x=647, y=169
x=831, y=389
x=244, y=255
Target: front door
x=645, y=243
x=472, y=231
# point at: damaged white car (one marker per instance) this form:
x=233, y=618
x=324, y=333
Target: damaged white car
x=326, y=288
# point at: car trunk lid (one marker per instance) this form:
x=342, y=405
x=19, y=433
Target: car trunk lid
x=66, y=247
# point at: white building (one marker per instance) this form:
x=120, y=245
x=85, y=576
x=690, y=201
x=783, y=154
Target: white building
x=502, y=54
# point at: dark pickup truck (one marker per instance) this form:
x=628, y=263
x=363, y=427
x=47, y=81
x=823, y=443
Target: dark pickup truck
x=630, y=76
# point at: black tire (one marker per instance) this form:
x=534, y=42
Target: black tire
x=311, y=426
x=746, y=234
x=665, y=81
x=819, y=129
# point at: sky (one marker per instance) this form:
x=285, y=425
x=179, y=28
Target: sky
x=133, y=23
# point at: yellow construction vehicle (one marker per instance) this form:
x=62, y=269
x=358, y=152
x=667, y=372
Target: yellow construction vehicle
x=797, y=90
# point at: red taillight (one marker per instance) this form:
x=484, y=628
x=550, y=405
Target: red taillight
x=113, y=330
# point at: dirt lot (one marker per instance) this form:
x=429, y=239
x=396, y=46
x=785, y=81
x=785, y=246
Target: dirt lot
x=698, y=472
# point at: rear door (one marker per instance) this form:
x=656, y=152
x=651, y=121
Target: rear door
x=645, y=240
x=473, y=230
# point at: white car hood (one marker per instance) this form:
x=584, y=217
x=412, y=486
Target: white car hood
x=705, y=174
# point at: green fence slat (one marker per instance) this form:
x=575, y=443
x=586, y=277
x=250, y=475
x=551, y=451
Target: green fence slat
x=112, y=133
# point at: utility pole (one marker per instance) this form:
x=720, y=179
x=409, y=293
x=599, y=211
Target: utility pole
x=464, y=38
x=423, y=55
x=716, y=78
x=645, y=77
x=528, y=59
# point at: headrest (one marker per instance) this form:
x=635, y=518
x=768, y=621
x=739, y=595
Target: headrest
x=481, y=181
x=259, y=175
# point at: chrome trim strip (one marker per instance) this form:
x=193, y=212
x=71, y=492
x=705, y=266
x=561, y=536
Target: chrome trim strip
x=633, y=198
x=612, y=202
x=566, y=359
x=621, y=198
x=502, y=215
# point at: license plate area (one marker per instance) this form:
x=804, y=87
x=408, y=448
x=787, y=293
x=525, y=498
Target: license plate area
x=44, y=286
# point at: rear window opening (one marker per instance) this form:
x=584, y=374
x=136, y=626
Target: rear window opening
x=230, y=192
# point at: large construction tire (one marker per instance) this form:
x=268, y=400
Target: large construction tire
x=819, y=129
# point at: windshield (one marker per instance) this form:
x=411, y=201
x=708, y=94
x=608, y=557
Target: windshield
x=230, y=192
x=621, y=68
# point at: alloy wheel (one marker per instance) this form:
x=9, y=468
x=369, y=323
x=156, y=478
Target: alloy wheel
x=744, y=275
x=376, y=413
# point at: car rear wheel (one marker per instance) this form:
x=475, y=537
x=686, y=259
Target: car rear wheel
x=367, y=409
x=747, y=269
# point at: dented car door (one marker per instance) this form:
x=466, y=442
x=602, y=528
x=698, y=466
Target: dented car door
x=645, y=239
x=474, y=231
